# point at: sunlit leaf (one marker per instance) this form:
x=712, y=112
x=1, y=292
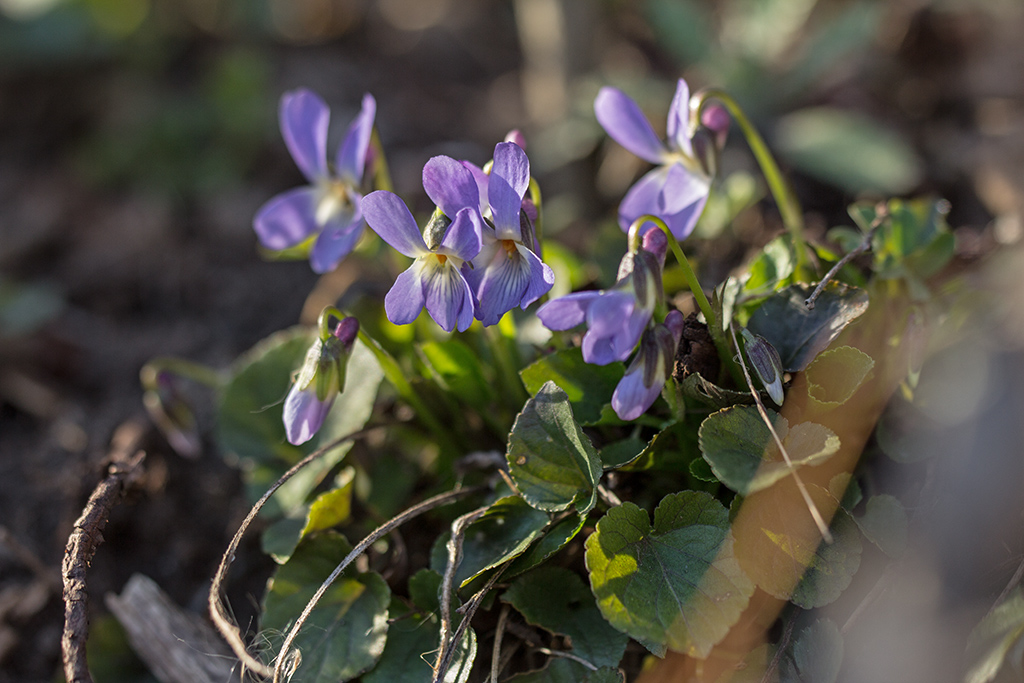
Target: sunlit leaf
x=344, y=635
x=743, y=454
x=557, y=600
x=798, y=333
x=774, y=264
x=835, y=374
x=676, y=583
x=589, y=387
x=550, y=459
x=848, y=150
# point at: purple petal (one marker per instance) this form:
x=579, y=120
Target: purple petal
x=482, y=180
x=626, y=124
x=510, y=178
x=679, y=118
x=631, y=398
x=404, y=300
x=388, y=216
x=287, y=219
x=542, y=278
x=304, y=118
x=681, y=189
x=506, y=279
x=611, y=334
x=450, y=185
x=352, y=154
x=447, y=296
x=464, y=236
x=642, y=198
x=334, y=244
x=303, y=414
x=682, y=223
x=566, y=312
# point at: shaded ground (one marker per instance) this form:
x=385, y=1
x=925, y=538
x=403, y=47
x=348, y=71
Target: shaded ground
x=129, y=175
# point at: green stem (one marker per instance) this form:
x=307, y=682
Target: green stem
x=789, y=207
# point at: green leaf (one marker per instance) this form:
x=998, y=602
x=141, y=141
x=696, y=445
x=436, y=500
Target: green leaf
x=773, y=265
x=710, y=394
x=676, y=583
x=554, y=538
x=815, y=656
x=798, y=333
x=550, y=459
x=848, y=150
x=282, y=536
x=701, y=470
x=250, y=424
x=783, y=554
x=345, y=634
x=683, y=28
x=991, y=640
x=671, y=449
x=503, y=532
x=557, y=670
x=557, y=600
x=744, y=456
x=412, y=645
x=835, y=375
x=333, y=507
x=589, y=387
x=885, y=524
x=620, y=453
x=458, y=371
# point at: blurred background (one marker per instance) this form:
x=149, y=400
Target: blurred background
x=138, y=137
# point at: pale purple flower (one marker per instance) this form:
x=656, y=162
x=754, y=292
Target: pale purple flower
x=678, y=188
x=329, y=207
x=615, y=317
x=435, y=278
x=320, y=379
x=650, y=369
x=507, y=272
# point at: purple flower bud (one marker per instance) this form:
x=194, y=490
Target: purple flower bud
x=716, y=119
x=651, y=367
x=517, y=137
x=169, y=411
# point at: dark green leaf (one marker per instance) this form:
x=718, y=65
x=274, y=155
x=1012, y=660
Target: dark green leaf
x=557, y=670
x=672, y=449
x=424, y=589
x=832, y=567
x=411, y=649
x=798, y=333
x=620, y=453
x=835, y=375
x=815, y=656
x=992, y=639
x=503, y=532
x=885, y=524
x=589, y=387
x=684, y=28
x=344, y=635
x=554, y=538
x=676, y=583
x=557, y=600
x=701, y=470
x=743, y=454
x=850, y=151
x=551, y=460
x=280, y=538
x=458, y=370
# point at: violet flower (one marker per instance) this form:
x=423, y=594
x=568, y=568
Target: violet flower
x=329, y=207
x=507, y=272
x=319, y=382
x=615, y=317
x=650, y=369
x=678, y=188
x=435, y=278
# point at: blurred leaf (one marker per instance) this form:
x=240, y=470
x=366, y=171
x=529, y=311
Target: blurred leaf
x=676, y=583
x=835, y=375
x=556, y=599
x=846, y=237
x=744, y=456
x=798, y=333
x=853, y=30
x=848, y=150
x=458, y=371
x=554, y=538
x=503, y=532
x=250, y=423
x=993, y=638
x=589, y=387
x=773, y=265
x=815, y=656
x=26, y=307
x=345, y=633
x=550, y=459
x=885, y=524
x=682, y=27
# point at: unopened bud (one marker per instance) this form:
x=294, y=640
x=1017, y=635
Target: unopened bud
x=716, y=119
x=766, y=363
x=517, y=137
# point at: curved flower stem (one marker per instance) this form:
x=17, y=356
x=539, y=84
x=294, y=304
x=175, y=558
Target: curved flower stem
x=789, y=207
x=323, y=320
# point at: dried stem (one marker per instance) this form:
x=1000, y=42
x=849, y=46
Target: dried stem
x=454, y=560
x=499, y=634
x=566, y=655
x=769, y=673
x=815, y=513
x=85, y=538
x=379, y=532
x=218, y=612
x=468, y=610
x=882, y=213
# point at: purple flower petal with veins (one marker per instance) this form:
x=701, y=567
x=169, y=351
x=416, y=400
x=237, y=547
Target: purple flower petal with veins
x=650, y=369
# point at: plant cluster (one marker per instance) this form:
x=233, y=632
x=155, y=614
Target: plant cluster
x=636, y=480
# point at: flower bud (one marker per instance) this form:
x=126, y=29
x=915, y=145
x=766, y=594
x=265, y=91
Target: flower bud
x=766, y=363
x=169, y=411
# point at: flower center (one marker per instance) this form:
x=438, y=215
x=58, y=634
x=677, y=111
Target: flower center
x=441, y=258
x=510, y=246
x=335, y=200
